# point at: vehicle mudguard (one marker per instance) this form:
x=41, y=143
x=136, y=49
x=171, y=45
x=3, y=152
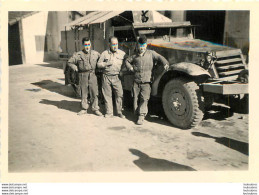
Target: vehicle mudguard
x=190, y=69
x=185, y=67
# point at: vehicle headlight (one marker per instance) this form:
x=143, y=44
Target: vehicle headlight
x=211, y=56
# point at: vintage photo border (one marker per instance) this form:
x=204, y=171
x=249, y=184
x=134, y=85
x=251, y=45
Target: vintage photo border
x=199, y=176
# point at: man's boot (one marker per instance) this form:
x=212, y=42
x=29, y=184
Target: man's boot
x=121, y=115
x=140, y=120
x=98, y=113
x=82, y=112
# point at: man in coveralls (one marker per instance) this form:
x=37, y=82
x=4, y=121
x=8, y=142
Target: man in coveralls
x=142, y=64
x=111, y=61
x=85, y=63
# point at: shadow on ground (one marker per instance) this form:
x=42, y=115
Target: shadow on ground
x=73, y=106
x=147, y=163
x=231, y=143
x=33, y=90
x=218, y=112
x=57, y=65
x=56, y=87
x=238, y=104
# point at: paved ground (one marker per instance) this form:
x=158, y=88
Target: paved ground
x=46, y=135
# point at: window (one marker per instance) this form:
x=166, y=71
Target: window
x=40, y=42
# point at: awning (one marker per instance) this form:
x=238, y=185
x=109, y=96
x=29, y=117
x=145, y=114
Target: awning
x=15, y=16
x=94, y=17
x=157, y=18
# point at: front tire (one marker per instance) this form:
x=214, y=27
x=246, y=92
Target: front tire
x=182, y=103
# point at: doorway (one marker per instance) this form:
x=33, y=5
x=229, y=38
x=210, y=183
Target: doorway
x=211, y=25
x=14, y=45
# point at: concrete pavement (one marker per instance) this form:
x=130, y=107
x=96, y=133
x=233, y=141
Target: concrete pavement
x=46, y=135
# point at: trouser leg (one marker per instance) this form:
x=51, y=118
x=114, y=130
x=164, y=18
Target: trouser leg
x=107, y=94
x=93, y=90
x=144, y=97
x=136, y=91
x=100, y=93
x=77, y=90
x=83, y=80
x=118, y=92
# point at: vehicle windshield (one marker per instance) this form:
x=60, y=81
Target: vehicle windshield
x=167, y=32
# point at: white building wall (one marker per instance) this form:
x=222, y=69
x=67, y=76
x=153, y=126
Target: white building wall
x=48, y=26
x=33, y=26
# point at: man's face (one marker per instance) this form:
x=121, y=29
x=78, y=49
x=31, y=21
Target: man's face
x=114, y=45
x=87, y=46
x=142, y=47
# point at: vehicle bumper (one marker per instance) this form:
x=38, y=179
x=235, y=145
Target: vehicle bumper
x=226, y=87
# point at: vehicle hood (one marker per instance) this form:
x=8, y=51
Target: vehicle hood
x=195, y=45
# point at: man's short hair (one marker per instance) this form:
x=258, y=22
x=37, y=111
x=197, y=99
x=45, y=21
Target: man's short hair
x=142, y=39
x=85, y=39
x=112, y=37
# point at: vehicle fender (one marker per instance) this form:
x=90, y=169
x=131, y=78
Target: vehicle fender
x=155, y=83
x=190, y=69
x=184, y=67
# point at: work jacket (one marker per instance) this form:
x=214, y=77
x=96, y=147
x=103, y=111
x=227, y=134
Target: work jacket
x=143, y=65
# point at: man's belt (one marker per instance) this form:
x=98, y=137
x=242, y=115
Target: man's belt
x=141, y=82
x=83, y=71
x=111, y=74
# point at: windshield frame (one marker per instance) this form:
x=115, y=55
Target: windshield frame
x=190, y=27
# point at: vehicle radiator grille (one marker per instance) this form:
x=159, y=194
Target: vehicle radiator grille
x=229, y=64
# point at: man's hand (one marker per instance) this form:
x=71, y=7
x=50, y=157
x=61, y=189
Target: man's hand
x=166, y=67
x=74, y=67
x=121, y=74
x=108, y=63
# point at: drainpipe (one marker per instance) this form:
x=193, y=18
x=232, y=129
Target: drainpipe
x=66, y=38
x=178, y=16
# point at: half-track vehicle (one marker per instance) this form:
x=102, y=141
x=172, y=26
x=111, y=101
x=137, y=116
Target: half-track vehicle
x=200, y=71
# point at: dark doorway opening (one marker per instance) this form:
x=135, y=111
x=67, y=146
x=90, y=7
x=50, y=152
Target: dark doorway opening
x=211, y=25
x=14, y=45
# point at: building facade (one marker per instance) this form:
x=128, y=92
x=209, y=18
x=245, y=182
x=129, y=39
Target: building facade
x=38, y=37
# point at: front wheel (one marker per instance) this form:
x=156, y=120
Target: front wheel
x=182, y=103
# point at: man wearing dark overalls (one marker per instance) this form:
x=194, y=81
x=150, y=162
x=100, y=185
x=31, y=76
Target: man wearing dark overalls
x=111, y=61
x=142, y=64
x=85, y=63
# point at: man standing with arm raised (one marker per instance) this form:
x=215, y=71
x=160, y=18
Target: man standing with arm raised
x=142, y=64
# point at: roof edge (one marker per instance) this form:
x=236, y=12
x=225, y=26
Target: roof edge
x=13, y=21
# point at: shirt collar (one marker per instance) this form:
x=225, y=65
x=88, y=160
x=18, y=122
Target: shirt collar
x=143, y=53
x=110, y=52
x=86, y=52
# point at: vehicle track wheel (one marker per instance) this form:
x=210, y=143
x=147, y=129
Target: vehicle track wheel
x=182, y=103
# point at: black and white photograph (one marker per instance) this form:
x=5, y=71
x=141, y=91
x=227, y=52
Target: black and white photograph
x=128, y=91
